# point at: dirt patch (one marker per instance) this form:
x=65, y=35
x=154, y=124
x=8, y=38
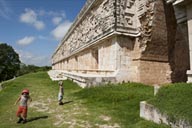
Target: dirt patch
x=39, y=106
x=108, y=126
x=105, y=118
x=60, y=120
x=71, y=115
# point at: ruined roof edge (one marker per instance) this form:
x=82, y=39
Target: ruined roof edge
x=78, y=18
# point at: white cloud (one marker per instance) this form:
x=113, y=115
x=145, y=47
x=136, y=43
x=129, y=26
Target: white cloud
x=57, y=14
x=30, y=17
x=59, y=32
x=39, y=25
x=33, y=17
x=41, y=12
x=43, y=37
x=26, y=40
x=4, y=9
x=56, y=20
x=32, y=59
x=46, y=38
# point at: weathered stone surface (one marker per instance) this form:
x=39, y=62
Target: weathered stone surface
x=149, y=112
x=183, y=13
x=137, y=39
x=95, y=23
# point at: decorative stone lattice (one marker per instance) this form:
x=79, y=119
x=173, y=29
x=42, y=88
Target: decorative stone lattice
x=127, y=16
x=95, y=24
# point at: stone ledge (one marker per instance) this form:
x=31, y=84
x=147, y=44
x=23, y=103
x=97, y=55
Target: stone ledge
x=91, y=71
x=189, y=76
x=149, y=112
x=83, y=80
x=89, y=80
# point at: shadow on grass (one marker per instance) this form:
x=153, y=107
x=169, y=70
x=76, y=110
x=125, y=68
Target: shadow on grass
x=67, y=102
x=37, y=118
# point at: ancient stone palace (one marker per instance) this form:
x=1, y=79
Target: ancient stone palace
x=114, y=41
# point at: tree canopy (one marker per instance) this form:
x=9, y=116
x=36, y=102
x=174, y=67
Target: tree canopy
x=9, y=62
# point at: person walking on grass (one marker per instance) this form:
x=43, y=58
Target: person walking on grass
x=61, y=92
x=23, y=106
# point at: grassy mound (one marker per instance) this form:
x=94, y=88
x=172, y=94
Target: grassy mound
x=175, y=100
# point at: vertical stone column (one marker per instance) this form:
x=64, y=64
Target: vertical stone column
x=189, y=23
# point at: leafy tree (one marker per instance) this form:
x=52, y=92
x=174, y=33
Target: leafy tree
x=9, y=62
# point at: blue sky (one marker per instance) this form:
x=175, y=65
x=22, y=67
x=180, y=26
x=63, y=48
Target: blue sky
x=34, y=28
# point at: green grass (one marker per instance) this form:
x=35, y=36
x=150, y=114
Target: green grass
x=110, y=105
x=38, y=84
x=121, y=102
x=175, y=100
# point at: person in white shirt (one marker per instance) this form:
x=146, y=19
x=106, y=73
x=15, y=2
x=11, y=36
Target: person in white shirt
x=61, y=92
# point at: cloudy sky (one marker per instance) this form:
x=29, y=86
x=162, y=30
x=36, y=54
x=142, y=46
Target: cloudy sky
x=34, y=28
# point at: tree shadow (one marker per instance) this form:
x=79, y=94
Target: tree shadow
x=37, y=118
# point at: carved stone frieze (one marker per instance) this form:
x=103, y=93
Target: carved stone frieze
x=101, y=17
x=126, y=16
x=146, y=16
x=131, y=17
x=133, y=38
x=98, y=21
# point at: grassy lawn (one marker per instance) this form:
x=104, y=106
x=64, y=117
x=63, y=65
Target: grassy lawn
x=175, y=100
x=120, y=102
x=109, y=106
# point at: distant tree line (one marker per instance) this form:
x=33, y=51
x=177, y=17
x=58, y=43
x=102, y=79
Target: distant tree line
x=24, y=69
x=11, y=66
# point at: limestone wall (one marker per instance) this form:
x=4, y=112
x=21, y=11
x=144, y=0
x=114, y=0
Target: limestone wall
x=137, y=39
x=100, y=57
x=108, y=55
x=125, y=52
x=154, y=72
x=84, y=60
x=135, y=17
x=98, y=21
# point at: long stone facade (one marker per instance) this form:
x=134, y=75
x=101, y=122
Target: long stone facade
x=123, y=41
